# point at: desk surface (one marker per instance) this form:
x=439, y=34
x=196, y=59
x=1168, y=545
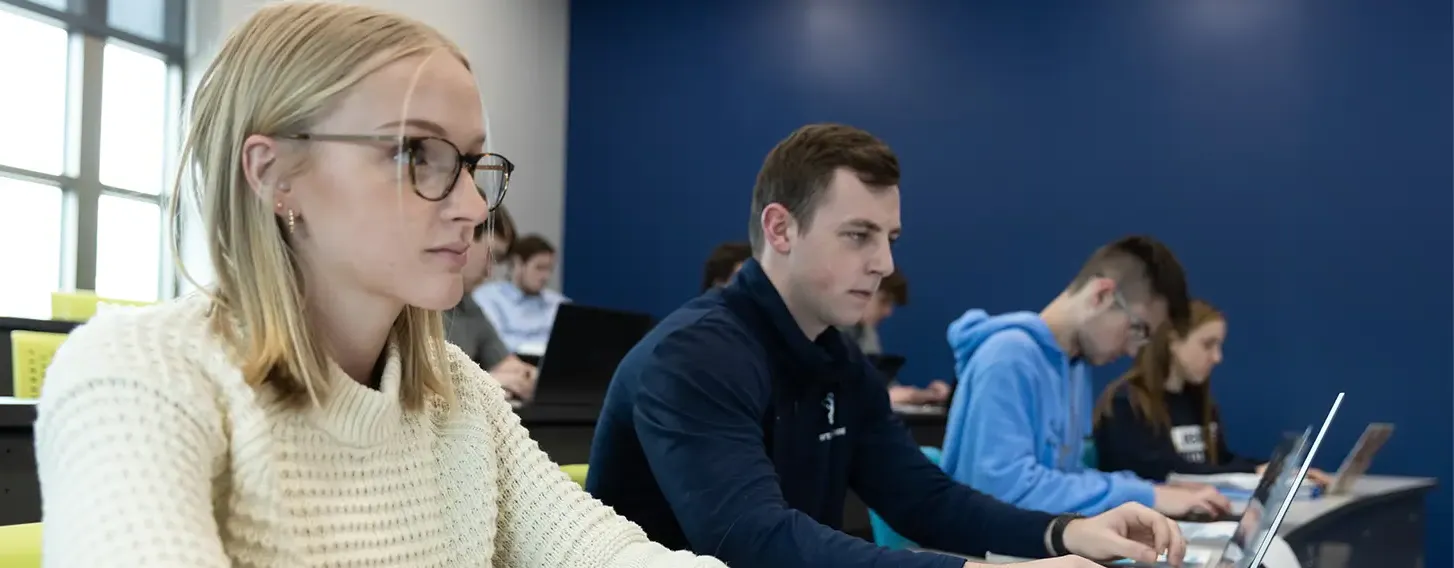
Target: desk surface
x=1369, y=490
x=16, y=412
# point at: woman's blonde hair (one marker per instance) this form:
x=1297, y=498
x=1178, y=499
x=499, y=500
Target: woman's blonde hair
x=278, y=74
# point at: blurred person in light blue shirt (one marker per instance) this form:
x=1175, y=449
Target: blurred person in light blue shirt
x=522, y=308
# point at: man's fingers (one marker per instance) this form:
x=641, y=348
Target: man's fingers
x=1176, y=542
x=1216, y=502
x=1161, y=534
x=1165, y=533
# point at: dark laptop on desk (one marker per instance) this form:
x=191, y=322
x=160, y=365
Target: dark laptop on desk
x=888, y=366
x=585, y=346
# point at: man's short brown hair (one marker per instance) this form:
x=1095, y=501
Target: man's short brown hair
x=530, y=246
x=798, y=170
x=896, y=287
x=1143, y=268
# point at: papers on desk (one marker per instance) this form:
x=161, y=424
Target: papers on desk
x=1220, y=531
x=1239, y=486
x=920, y=409
x=1193, y=557
x=1243, y=481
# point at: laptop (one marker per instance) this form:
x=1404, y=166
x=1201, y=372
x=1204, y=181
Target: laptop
x=888, y=366
x=1265, y=511
x=585, y=346
x=1358, y=460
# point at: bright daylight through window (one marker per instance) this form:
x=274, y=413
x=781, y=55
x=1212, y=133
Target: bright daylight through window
x=88, y=154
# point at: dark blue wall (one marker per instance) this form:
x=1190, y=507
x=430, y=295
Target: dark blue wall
x=1297, y=156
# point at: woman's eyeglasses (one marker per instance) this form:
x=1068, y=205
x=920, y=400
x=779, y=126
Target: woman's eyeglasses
x=434, y=164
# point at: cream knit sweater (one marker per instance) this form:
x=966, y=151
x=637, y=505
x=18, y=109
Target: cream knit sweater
x=153, y=453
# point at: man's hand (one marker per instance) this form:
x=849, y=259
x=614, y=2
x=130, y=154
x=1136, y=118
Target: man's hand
x=1129, y=531
x=1179, y=501
x=1315, y=475
x=516, y=376
x=938, y=391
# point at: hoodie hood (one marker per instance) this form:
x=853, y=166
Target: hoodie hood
x=972, y=329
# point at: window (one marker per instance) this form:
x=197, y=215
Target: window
x=87, y=149
x=133, y=120
x=128, y=235
x=30, y=227
x=36, y=50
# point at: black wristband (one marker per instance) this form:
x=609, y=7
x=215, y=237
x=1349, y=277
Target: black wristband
x=1057, y=533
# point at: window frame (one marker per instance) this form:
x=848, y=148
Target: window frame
x=86, y=25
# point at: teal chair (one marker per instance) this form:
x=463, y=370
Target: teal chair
x=885, y=536
x=1088, y=456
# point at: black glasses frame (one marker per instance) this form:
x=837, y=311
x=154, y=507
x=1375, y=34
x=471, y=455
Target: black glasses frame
x=462, y=160
x=1140, y=330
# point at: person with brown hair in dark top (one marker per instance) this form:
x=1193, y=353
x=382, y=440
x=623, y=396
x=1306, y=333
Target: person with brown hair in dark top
x=1160, y=418
x=723, y=264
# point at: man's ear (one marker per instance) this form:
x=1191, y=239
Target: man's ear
x=779, y=228
x=261, y=168
x=1103, y=292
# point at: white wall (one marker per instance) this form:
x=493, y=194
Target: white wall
x=518, y=50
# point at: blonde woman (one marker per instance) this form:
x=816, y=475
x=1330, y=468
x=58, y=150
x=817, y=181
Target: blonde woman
x=306, y=410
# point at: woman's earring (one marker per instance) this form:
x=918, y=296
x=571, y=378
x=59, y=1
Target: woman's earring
x=292, y=222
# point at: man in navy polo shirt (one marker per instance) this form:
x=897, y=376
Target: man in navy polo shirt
x=737, y=426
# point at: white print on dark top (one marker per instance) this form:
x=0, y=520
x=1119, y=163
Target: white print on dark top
x=1189, y=443
x=832, y=433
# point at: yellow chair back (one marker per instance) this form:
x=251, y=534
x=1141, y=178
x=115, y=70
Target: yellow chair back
x=20, y=546
x=30, y=355
x=577, y=473
x=82, y=304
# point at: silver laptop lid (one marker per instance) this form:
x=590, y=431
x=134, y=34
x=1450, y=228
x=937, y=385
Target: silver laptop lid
x=1358, y=460
x=1284, y=492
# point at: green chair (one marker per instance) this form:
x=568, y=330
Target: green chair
x=576, y=471
x=20, y=546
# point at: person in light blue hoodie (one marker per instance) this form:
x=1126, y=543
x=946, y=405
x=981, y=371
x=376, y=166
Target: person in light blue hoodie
x=1022, y=412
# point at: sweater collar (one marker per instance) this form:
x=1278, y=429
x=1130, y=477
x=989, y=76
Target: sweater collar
x=820, y=357
x=359, y=415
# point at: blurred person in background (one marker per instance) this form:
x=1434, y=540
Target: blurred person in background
x=466, y=325
x=892, y=293
x=522, y=308
x=723, y=264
